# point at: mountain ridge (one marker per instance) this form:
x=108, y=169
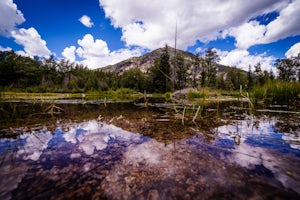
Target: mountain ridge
x=147, y=60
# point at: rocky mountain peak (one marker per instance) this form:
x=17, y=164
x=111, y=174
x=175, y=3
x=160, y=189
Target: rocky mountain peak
x=144, y=62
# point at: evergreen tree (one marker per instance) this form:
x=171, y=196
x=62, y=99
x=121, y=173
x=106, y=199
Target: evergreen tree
x=195, y=70
x=249, y=78
x=133, y=79
x=235, y=78
x=8, y=73
x=66, y=67
x=160, y=73
x=181, y=71
x=50, y=75
x=209, y=72
x=259, y=76
x=165, y=69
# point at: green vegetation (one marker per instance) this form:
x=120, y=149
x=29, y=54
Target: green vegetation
x=277, y=92
x=62, y=79
x=196, y=95
x=160, y=73
x=168, y=96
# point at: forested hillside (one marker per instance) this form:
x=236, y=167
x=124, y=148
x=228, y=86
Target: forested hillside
x=167, y=72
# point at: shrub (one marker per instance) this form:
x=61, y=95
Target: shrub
x=168, y=96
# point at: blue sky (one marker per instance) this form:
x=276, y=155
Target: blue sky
x=101, y=32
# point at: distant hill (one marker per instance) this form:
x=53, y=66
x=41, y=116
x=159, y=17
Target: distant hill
x=146, y=61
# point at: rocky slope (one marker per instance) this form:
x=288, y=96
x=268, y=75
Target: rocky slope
x=146, y=61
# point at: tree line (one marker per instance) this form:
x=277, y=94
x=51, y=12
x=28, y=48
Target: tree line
x=203, y=71
x=20, y=73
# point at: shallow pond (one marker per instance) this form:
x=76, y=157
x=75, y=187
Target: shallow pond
x=125, y=151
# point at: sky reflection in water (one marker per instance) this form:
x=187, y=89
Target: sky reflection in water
x=256, y=142
x=128, y=165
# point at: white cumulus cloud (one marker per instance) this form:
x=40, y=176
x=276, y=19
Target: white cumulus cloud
x=151, y=23
x=86, y=21
x=285, y=25
x=33, y=44
x=92, y=48
x=95, y=52
x=69, y=53
x=10, y=17
x=248, y=34
x=293, y=51
x=242, y=59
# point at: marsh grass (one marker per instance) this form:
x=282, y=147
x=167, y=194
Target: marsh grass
x=120, y=94
x=277, y=92
x=192, y=95
x=212, y=95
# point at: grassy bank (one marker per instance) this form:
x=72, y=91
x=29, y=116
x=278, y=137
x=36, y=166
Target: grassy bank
x=277, y=92
x=210, y=94
x=121, y=93
x=273, y=92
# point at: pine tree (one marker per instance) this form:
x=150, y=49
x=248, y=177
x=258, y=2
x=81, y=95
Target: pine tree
x=160, y=73
x=195, y=70
x=209, y=72
x=250, y=79
x=181, y=71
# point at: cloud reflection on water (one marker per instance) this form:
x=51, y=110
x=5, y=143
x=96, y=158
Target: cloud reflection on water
x=35, y=143
x=252, y=142
x=258, y=144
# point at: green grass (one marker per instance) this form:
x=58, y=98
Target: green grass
x=196, y=95
x=277, y=92
x=206, y=93
x=110, y=94
x=273, y=92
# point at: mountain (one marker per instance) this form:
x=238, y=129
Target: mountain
x=146, y=61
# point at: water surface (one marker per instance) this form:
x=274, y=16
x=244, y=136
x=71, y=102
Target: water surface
x=129, y=152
